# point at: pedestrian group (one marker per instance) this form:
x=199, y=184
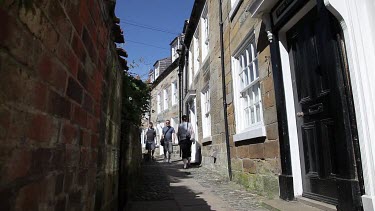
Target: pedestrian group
x=185, y=135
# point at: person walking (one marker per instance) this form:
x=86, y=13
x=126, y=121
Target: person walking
x=169, y=137
x=150, y=141
x=185, y=135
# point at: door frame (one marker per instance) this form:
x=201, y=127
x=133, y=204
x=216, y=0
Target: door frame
x=283, y=65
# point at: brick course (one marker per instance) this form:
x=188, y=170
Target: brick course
x=55, y=59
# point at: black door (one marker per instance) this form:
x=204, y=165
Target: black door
x=315, y=64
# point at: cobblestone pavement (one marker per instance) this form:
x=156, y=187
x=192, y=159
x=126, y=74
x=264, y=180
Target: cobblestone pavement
x=230, y=192
x=158, y=177
x=155, y=184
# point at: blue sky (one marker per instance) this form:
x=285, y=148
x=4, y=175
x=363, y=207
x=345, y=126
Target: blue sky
x=145, y=46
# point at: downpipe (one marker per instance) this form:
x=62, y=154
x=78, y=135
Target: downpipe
x=224, y=89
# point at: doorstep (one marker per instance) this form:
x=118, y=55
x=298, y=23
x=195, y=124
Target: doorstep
x=301, y=204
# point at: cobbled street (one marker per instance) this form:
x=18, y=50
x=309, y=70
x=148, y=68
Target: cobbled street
x=168, y=186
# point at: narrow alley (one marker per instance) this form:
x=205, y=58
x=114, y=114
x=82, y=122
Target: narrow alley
x=270, y=102
x=167, y=186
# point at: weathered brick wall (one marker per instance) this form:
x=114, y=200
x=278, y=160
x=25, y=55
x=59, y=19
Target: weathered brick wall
x=60, y=90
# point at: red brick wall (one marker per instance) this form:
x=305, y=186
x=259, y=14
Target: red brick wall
x=59, y=115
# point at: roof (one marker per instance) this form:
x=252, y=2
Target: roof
x=194, y=20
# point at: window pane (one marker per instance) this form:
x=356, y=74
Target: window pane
x=252, y=51
x=255, y=67
x=252, y=116
x=250, y=94
x=245, y=99
x=257, y=107
x=245, y=59
x=241, y=62
x=256, y=92
x=251, y=73
x=246, y=77
x=247, y=117
x=249, y=53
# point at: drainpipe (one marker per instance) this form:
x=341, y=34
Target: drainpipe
x=180, y=66
x=224, y=90
x=186, y=57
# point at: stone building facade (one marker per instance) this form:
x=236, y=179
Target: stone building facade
x=297, y=96
x=254, y=151
x=165, y=97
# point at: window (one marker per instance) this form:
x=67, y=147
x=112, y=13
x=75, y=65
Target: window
x=174, y=124
x=156, y=73
x=205, y=32
x=206, y=108
x=196, y=52
x=174, y=95
x=165, y=95
x=158, y=99
x=247, y=94
x=190, y=79
x=235, y=4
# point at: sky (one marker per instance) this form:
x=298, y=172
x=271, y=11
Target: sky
x=149, y=27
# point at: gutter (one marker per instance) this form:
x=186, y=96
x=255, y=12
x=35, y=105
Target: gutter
x=224, y=90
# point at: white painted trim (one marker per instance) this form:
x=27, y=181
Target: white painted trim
x=358, y=23
x=291, y=117
x=254, y=132
x=289, y=100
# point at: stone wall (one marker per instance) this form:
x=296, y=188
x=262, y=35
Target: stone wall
x=130, y=162
x=255, y=163
x=60, y=88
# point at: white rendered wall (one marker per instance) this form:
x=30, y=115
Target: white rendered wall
x=358, y=22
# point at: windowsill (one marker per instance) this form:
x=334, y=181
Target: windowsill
x=207, y=139
x=253, y=132
x=234, y=9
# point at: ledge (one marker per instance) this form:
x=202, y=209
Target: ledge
x=254, y=132
x=189, y=95
x=258, y=7
x=206, y=139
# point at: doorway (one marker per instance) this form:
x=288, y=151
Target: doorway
x=322, y=96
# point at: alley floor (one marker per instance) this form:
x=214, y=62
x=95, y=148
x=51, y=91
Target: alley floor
x=166, y=186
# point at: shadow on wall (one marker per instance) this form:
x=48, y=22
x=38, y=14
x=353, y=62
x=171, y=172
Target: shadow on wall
x=130, y=163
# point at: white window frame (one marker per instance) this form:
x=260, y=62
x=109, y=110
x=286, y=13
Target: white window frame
x=205, y=32
x=191, y=70
x=165, y=99
x=174, y=124
x=247, y=92
x=234, y=7
x=158, y=103
x=196, y=59
x=157, y=72
x=206, y=111
x=174, y=95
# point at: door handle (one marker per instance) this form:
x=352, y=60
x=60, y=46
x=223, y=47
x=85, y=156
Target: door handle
x=300, y=114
